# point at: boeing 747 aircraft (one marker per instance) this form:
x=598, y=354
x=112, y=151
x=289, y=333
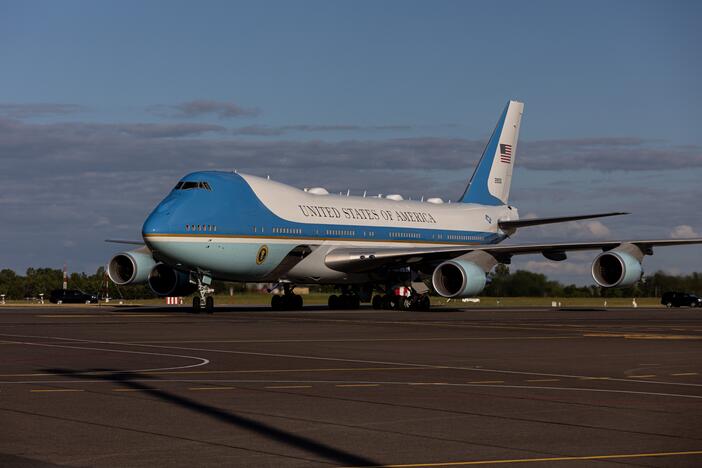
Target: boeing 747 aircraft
x=236, y=227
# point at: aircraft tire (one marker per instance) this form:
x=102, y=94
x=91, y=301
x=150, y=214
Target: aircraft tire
x=377, y=302
x=209, y=304
x=196, y=305
x=276, y=302
x=425, y=304
x=334, y=301
x=297, y=302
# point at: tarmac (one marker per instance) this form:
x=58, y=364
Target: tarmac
x=157, y=386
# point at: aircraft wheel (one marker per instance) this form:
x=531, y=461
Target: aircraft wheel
x=276, y=302
x=334, y=301
x=209, y=304
x=377, y=302
x=196, y=305
x=297, y=302
x=425, y=303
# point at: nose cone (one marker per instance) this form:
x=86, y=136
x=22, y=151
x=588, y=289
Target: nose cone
x=160, y=219
x=156, y=223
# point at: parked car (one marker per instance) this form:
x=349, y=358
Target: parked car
x=71, y=296
x=680, y=299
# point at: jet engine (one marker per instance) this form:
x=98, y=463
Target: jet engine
x=458, y=278
x=167, y=281
x=131, y=267
x=617, y=267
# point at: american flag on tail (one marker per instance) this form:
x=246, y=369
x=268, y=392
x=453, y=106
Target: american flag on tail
x=506, y=153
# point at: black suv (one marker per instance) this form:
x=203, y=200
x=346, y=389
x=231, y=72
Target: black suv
x=71, y=296
x=680, y=299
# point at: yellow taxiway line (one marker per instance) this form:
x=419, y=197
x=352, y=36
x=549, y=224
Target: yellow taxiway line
x=548, y=459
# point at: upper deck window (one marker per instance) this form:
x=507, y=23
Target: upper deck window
x=190, y=185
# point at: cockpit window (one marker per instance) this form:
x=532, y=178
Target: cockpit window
x=190, y=185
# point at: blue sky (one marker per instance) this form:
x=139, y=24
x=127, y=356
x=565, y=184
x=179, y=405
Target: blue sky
x=103, y=105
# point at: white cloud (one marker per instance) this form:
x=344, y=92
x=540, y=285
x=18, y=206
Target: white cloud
x=683, y=231
x=597, y=229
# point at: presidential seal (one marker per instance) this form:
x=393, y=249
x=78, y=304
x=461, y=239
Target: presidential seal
x=261, y=255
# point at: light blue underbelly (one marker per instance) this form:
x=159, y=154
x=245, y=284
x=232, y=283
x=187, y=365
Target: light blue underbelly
x=228, y=260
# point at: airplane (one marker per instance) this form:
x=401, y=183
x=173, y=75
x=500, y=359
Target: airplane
x=384, y=250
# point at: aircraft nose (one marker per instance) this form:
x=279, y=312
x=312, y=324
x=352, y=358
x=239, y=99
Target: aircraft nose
x=156, y=223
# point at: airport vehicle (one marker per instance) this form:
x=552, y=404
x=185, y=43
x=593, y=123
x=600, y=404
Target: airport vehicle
x=680, y=299
x=237, y=227
x=71, y=296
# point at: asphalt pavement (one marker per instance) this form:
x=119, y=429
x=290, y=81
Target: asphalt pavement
x=158, y=386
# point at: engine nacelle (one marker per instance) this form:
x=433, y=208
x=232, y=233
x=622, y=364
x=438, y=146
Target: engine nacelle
x=458, y=278
x=616, y=268
x=167, y=281
x=131, y=267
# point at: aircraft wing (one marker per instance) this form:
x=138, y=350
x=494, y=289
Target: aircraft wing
x=357, y=260
x=120, y=241
x=561, y=219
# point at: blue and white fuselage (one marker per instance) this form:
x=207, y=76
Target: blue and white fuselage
x=219, y=221
x=236, y=227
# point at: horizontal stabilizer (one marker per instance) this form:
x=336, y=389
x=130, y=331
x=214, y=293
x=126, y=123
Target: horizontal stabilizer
x=505, y=225
x=118, y=241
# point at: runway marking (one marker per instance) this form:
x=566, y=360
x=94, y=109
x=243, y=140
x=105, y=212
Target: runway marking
x=55, y=390
x=642, y=336
x=354, y=340
x=647, y=376
x=487, y=381
x=324, y=358
x=105, y=315
x=548, y=459
x=130, y=389
x=211, y=388
x=289, y=386
x=543, y=380
x=680, y=374
x=358, y=385
x=202, y=362
x=252, y=371
x=596, y=378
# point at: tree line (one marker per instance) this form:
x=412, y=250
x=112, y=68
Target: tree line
x=501, y=283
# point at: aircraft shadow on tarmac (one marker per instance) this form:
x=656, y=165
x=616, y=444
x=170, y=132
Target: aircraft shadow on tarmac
x=133, y=380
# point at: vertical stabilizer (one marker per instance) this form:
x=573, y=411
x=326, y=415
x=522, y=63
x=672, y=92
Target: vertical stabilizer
x=491, y=180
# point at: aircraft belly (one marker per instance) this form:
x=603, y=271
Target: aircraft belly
x=234, y=261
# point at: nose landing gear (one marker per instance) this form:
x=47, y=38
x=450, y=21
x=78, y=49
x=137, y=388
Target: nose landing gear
x=204, y=290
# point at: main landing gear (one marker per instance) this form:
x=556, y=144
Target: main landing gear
x=347, y=300
x=402, y=298
x=288, y=301
x=204, y=299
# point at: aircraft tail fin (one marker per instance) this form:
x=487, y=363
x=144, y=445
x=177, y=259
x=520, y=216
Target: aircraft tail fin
x=490, y=183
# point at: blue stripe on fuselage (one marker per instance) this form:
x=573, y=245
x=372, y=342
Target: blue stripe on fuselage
x=235, y=210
